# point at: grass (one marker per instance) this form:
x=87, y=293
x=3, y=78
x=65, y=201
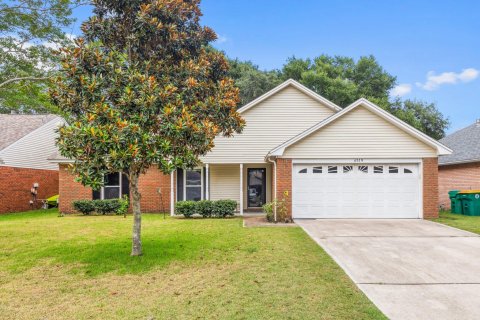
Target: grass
x=78, y=267
x=468, y=223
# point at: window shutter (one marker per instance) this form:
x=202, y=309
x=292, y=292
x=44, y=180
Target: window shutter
x=96, y=194
x=179, y=184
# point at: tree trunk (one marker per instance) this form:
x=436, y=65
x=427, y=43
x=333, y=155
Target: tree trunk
x=137, y=215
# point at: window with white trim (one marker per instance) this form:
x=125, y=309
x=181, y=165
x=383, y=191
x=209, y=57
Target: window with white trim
x=377, y=169
x=303, y=170
x=317, y=169
x=392, y=169
x=193, y=185
x=115, y=185
x=347, y=169
x=363, y=169
x=332, y=169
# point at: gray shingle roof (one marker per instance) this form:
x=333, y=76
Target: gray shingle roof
x=465, y=144
x=15, y=126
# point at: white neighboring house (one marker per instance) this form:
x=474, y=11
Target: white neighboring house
x=26, y=141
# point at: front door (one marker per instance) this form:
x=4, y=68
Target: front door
x=256, y=187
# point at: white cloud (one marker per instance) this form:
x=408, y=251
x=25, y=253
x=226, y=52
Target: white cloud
x=434, y=81
x=221, y=39
x=401, y=90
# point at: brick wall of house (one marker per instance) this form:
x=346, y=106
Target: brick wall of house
x=457, y=177
x=149, y=185
x=15, y=185
x=69, y=190
x=430, y=188
x=284, y=182
x=155, y=189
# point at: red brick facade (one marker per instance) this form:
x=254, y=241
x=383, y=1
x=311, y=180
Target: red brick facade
x=155, y=189
x=149, y=185
x=69, y=190
x=15, y=185
x=430, y=188
x=284, y=182
x=457, y=177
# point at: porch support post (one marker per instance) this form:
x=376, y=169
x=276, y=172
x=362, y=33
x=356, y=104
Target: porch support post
x=172, y=193
x=207, y=185
x=241, y=189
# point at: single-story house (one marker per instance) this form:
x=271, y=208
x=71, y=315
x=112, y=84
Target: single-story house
x=325, y=161
x=461, y=169
x=26, y=141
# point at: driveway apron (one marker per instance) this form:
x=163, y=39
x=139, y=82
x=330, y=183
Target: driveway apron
x=410, y=269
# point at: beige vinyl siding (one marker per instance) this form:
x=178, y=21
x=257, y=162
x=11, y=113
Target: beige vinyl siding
x=359, y=134
x=32, y=150
x=225, y=182
x=268, y=124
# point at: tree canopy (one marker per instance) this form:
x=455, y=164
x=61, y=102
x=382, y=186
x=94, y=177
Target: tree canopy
x=142, y=88
x=28, y=31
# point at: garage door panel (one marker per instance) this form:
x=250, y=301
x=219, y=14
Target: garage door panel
x=356, y=191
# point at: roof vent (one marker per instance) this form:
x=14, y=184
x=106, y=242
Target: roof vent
x=478, y=122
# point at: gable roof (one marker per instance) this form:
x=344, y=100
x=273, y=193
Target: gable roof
x=441, y=149
x=465, y=144
x=295, y=84
x=13, y=127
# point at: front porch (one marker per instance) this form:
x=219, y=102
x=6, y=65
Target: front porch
x=249, y=184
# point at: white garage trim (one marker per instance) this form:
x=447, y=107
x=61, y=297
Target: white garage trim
x=319, y=183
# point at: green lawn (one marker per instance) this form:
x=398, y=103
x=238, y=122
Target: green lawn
x=460, y=221
x=78, y=267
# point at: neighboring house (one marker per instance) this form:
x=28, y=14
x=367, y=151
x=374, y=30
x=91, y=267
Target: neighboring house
x=461, y=169
x=25, y=143
x=327, y=162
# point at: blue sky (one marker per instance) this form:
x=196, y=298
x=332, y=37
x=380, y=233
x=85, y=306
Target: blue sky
x=431, y=46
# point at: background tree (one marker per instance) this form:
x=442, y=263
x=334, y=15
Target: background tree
x=422, y=115
x=341, y=79
x=142, y=89
x=251, y=81
x=28, y=31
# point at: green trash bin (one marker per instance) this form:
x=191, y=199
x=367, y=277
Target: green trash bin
x=470, y=200
x=455, y=204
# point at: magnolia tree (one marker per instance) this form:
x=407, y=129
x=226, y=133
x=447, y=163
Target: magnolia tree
x=141, y=88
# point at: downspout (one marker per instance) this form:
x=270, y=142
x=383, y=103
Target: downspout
x=274, y=186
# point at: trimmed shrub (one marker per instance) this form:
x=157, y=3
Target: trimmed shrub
x=185, y=208
x=204, y=208
x=224, y=208
x=106, y=206
x=84, y=206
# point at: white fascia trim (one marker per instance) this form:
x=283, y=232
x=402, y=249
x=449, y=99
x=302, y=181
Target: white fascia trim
x=441, y=149
x=302, y=88
x=59, y=119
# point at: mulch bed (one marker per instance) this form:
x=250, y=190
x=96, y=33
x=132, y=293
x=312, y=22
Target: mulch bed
x=252, y=222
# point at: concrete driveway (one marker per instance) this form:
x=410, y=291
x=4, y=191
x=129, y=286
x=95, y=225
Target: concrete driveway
x=410, y=269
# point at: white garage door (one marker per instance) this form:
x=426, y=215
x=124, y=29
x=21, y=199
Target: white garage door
x=356, y=191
